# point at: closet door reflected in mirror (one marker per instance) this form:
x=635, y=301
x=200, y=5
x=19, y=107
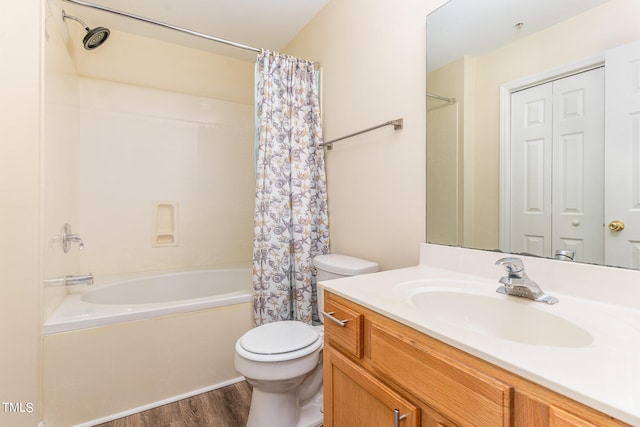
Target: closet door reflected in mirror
x=556, y=151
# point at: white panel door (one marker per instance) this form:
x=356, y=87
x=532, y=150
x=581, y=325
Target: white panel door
x=531, y=142
x=578, y=170
x=557, y=139
x=622, y=155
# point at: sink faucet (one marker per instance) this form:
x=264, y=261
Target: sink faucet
x=565, y=254
x=518, y=284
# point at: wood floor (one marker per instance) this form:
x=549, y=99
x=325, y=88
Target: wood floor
x=225, y=407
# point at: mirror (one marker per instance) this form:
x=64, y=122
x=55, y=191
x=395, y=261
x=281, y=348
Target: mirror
x=479, y=56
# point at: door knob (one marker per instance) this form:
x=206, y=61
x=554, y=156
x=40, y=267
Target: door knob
x=616, y=225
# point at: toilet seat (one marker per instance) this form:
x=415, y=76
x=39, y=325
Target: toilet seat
x=279, y=341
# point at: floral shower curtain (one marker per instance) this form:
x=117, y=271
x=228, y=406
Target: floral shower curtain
x=291, y=221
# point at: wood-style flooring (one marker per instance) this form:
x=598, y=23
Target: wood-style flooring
x=224, y=407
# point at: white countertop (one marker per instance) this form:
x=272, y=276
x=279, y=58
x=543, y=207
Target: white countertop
x=603, y=373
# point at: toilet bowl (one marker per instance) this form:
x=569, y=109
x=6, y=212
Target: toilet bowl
x=282, y=361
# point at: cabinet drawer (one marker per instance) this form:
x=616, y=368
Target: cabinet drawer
x=461, y=393
x=347, y=336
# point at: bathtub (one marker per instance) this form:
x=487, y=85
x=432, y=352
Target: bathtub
x=127, y=344
x=140, y=296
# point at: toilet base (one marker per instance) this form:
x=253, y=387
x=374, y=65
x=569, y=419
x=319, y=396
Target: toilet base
x=311, y=412
x=284, y=410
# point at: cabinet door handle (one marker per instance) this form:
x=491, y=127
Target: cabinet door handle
x=329, y=316
x=397, y=417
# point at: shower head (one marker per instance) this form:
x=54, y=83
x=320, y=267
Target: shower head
x=95, y=37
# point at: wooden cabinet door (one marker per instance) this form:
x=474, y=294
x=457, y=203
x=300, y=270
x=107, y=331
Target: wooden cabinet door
x=431, y=418
x=353, y=397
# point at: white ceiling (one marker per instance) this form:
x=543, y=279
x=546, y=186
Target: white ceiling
x=471, y=27
x=459, y=27
x=268, y=24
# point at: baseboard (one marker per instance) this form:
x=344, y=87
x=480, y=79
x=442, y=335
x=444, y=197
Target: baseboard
x=159, y=403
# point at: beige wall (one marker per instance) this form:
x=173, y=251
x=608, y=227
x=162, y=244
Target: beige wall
x=612, y=24
x=20, y=125
x=372, y=55
x=141, y=61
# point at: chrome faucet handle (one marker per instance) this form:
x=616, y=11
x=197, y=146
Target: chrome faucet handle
x=67, y=238
x=75, y=238
x=517, y=283
x=514, y=267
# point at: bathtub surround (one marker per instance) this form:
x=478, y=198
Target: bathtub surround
x=193, y=127
x=166, y=179
x=291, y=222
x=189, y=131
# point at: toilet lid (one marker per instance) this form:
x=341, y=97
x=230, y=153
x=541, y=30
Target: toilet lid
x=279, y=337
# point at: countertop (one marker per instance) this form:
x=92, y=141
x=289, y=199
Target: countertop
x=602, y=372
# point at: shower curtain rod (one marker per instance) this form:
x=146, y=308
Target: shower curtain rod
x=163, y=24
x=442, y=98
x=397, y=124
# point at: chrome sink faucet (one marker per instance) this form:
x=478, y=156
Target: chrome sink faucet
x=518, y=284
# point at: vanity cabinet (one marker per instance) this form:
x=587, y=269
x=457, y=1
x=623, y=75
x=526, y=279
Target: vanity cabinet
x=379, y=372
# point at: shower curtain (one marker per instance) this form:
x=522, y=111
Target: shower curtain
x=291, y=220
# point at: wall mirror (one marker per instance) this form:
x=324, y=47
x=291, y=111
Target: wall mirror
x=533, y=117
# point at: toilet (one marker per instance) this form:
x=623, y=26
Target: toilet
x=282, y=361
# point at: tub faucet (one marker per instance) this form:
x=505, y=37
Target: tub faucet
x=518, y=284
x=79, y=280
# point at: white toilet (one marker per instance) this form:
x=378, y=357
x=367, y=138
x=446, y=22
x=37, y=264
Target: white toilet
x=282, y=360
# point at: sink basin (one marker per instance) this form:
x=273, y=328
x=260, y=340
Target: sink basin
x=509, y=318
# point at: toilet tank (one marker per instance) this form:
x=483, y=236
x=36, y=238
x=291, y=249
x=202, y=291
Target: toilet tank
x=336, y=266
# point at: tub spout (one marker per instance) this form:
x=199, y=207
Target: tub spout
x=79, y=280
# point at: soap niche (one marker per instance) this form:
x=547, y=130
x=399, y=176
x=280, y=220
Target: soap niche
x=164, y=231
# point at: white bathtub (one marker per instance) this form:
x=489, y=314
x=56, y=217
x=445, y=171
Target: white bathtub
x=127, y=345
x=141, y=296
